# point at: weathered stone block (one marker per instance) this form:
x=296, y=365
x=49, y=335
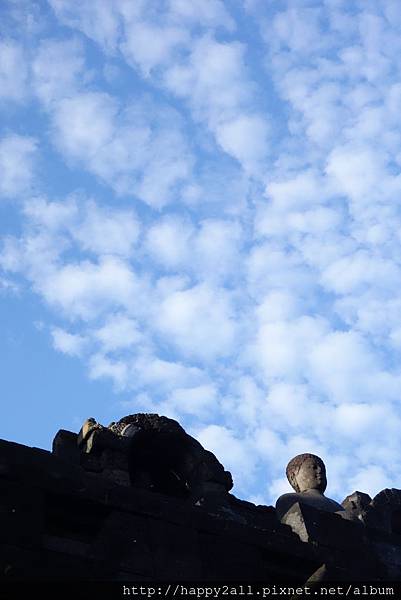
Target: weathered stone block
x=21, y=514
x=65, y=446
x=175, y=549
x=123, y=543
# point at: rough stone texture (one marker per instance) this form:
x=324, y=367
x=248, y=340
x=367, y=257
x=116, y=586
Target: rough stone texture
x=58, y=520
x=152, y=452
x=306, y=473
x=356, y=504
x=384, y=512
x=65, y=515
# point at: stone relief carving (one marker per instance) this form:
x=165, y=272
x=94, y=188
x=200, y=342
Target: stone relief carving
x=153, y=452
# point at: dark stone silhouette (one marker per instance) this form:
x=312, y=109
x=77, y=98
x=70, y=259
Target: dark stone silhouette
x=141, y=500
x=155, y=453
x=355, y=505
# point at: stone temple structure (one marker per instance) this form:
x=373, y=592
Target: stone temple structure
x=141, y=500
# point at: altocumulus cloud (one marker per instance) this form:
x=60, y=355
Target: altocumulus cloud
x=217, y=231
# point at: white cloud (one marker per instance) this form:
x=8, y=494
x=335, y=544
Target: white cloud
x=101, y=366
x=61, y=76
x=168, y=241
x=200, y=401
x=117, y=25
x=8, y=285
x=345, y=367
x=52, y=216
x=246, y=138
x=11, y=257
x=371, y=479
x=199, y=321
x=216, y=84
x=99, y=20
x=84, y=123
x=361, y=172
x=371, y=314
x=304, y=190
x=70, y=344
x=278, y=487
x=118, y=332
x=17, y=161
x=277, y=271
x=271, y=266
x=293, y=406
x=163, y=43
x=299, y=29
x=359, y=270
x=164, y=375
x=282, y=347
x=278, y=306
x=94, y=228
x=317, y=221
x=149, y=46
x=137, y=150
x=217, y=249
x=212, y=78
x=104, y=231
x=13, y=71
x=211, y=13
x=361, y=419
x=232, y=451
x=87, y=288
x=243, y=401
x=268, y=444
x=139, y=368
x=32, y=255
x=210, y=251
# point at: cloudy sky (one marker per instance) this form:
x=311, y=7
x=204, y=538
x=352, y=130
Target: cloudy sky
x=200, y=217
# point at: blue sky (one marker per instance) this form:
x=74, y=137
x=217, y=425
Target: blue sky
x=200, y=217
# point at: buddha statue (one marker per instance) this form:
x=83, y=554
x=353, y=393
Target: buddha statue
x=307, y=475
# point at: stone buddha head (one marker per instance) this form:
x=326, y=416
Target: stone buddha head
x=307, y=472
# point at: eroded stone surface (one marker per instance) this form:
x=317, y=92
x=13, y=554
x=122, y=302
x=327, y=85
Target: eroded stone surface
x=307, y=475
x=155, y=453
x=73, y=524
x=89, y=511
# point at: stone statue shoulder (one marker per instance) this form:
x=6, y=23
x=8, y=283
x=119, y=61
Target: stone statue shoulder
x=311, y=498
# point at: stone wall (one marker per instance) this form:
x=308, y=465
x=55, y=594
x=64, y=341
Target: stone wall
x=59, y=520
